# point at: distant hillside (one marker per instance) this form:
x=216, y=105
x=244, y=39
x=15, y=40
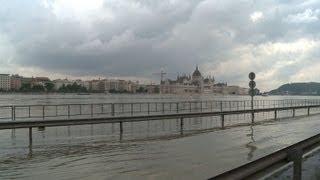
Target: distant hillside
x=311, y=88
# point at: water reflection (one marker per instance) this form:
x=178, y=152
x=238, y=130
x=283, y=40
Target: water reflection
x=30, y=152
x=13, y=137
x=250, y=145
x=91, y=130
x=93, y=152
x=112, y=128
x=121, y=137
x=79, y=148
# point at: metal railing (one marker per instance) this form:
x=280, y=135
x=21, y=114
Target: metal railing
x=260, y=167
x=146, y=111
x=66, y=111
x=118, y=113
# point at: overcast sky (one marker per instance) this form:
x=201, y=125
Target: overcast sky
x=278, y=39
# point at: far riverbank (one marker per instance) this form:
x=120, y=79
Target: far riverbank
x=58, y=98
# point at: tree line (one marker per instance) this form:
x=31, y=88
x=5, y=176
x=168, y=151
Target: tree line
x=49, y=87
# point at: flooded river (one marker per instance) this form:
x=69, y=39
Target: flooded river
x=146, y=150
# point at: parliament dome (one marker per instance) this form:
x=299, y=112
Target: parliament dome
x=196, y=73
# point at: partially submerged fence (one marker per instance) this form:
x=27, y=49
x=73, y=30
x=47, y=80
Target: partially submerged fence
x=72, y=111
x=30, y=116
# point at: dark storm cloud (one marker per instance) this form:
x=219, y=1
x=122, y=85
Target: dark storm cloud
x=136, y=38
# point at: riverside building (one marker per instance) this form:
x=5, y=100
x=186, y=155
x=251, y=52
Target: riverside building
x=15, y=82
x=5, y=84
x=194, y=83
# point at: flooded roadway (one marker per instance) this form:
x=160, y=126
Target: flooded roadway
x=196, y=154
x=146, y=150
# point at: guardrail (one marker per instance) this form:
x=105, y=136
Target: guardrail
x=269, y=163
x=121, y=119
x=66, y=111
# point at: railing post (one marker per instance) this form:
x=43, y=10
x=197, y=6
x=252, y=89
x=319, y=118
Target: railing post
x=293, y=112
x=275, y=114
x=29, y=111
x=221, y=109
x=131, y=109
x=68, y=111
x=237, y=105
x=91, y=110
x=181, y=124
x=308, y=111
x=148, y=108
x=222, y=121
x=56, y=111
x=43, y=112
x=112, y=109
x=121, y=127
x=177, y=105
x=13, y=113
x=163, y=108
x=30, y=136
x=200, y=106
x=80, y=109
x=252, y=102
x=252, y=118
x=190, y=106
x=207, y=106
x=295, y=155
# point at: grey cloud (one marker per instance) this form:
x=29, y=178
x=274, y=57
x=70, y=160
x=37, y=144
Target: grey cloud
x=143, y=36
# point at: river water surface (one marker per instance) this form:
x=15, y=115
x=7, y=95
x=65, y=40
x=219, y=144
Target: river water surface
x=146, y=150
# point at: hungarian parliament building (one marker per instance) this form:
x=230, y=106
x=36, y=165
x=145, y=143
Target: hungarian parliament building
x=196, y=83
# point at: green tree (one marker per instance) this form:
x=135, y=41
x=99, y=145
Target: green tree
x=72, y=88
x=62, y=88
x=157, y=89
x=25, y=87
x=49, y=86
x=141, y=90
x=38, y=88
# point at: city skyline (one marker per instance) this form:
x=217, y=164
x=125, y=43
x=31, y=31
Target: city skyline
x=135, y=39
x=142, y=81
x=195, y=82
